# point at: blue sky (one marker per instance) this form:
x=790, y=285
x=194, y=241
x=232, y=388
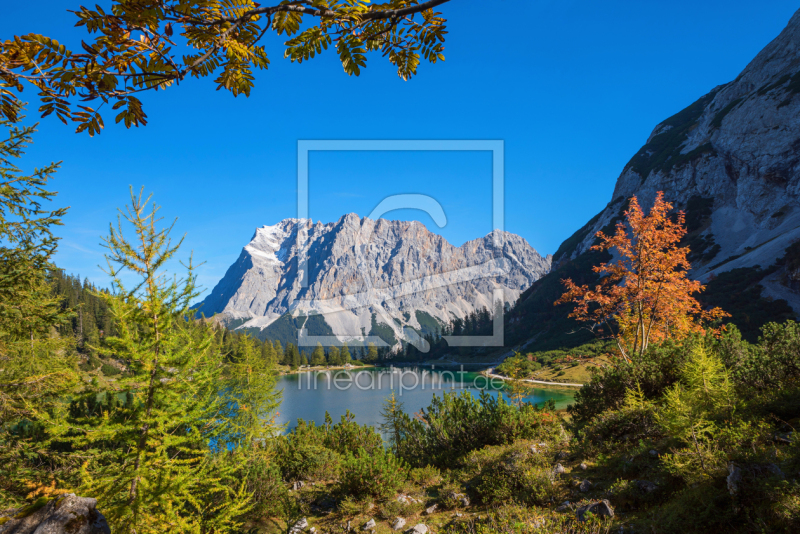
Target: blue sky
x=572, y=87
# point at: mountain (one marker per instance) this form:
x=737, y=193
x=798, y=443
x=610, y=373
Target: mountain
x=365, y=277
x=731, y=161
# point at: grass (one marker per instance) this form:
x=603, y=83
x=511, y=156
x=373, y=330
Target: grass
x=577, y=372
x=326, y=511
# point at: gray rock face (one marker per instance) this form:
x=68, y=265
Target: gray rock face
x=66, y=514
x=739, y=148
x=355, y=268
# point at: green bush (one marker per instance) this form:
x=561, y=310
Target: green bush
x=391, y=508
x=378, y=475
x=347, y=435
x=657, y=370
x=720, y=413
x=455, y=424
x=91, y=363
x=301, y=455
x=512, y=474
x=619, y=430
x=264, y=485
x=425, y=476
x=109, y=370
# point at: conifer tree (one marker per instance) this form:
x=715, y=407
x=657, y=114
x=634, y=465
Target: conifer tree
x=392, y=415
x=334, y=357
x=267, y=352
x=151, y=460
x=318, y=355
x=292, y=356
x=345, y=354
x=279, y=356
x=36, y=369
x=372, y=353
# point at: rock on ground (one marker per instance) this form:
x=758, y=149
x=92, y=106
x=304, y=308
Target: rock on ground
x=299, y=526
x=66, y=514
x=601, y=508
x=398, y=523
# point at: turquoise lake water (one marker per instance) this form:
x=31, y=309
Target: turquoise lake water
x=308, y=395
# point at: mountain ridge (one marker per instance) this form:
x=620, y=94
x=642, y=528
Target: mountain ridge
x=731, y=162
x=412, y=271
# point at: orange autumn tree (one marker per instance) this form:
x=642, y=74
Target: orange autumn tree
x=645, y=296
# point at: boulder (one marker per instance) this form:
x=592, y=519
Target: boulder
x=431, y=509
x=462, y=499
x=398, y=523
x=369, y=525
x=559, y=470
x=60, y=515
x=601, y=508
x=584, y=486
x=418, y=529
x=298, y=527
x=584, y=467
x=297, y=485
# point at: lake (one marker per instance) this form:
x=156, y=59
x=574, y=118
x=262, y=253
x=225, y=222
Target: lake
x=362, y=391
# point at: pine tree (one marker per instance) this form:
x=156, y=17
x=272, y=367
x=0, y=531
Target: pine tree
x=392, y=415
x=372, y=353
x=288, y=352
x=303, y=358
x=345, y=354
x=318, y=356
x=334, y=357
x=37, y=370
x=278, y=349
x=293, y=358
x=159, y=462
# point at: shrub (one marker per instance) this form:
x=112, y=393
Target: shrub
x=656, y=371
x=301, y=455
x=109, y=370
x=511, y=473
x=347, y=435
x=91, y=364
x=392, y=508
x=425, y=476
x=515, y=519
x=264, y=485
x=378, y=475
x=456, y=424
x=619, y=430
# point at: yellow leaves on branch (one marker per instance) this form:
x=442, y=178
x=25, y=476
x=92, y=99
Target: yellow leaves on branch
x=134, y=48
x=646, y=295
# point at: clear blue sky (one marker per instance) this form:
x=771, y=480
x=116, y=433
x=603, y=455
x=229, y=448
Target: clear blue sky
x=573, y=87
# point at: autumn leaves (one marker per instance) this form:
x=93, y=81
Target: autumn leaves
x=645, y=294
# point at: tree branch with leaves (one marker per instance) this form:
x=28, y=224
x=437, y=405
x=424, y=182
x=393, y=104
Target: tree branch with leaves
x=143, y=45
x=646, y=295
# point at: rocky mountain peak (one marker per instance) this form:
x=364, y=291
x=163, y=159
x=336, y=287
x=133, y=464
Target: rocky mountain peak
x=358, y=273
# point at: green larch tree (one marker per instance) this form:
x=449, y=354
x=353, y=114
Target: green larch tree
x=158, y=460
